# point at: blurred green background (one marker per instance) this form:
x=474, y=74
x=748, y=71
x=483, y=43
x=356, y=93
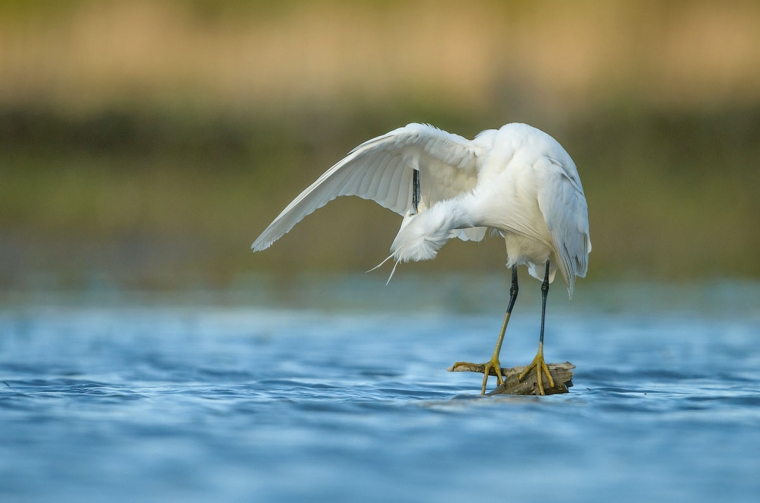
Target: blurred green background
x=146, y=144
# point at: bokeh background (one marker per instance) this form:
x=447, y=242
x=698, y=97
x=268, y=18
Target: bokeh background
x=145, y=144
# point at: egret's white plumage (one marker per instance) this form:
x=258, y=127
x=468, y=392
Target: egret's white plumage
x=517, y=180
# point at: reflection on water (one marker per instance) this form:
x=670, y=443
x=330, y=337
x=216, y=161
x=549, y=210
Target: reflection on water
x=245, y=396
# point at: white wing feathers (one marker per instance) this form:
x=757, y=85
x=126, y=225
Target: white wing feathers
x=381, y=169
x=563, y=204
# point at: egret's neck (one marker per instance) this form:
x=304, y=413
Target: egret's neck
x=422, y=235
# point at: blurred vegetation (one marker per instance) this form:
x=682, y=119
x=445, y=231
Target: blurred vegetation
x=147, y=144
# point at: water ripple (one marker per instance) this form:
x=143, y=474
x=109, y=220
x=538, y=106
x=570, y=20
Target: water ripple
x=231, y=406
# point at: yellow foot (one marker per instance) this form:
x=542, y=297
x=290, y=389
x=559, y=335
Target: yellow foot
x=540, y=365
x=487, y=367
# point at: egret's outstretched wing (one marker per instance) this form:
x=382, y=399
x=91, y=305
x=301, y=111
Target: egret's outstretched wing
x=563, y=204
x=381, y=169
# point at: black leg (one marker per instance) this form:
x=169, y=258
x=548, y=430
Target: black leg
x=544, y=293
x=513, y=291
x=416, y=190
x=494, y=362
x=538, y=362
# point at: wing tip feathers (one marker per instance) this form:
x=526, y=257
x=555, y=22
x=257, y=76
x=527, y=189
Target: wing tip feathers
x=260, y=245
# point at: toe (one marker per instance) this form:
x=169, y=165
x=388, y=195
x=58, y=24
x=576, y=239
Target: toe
x=548, y=375
x=539, y=382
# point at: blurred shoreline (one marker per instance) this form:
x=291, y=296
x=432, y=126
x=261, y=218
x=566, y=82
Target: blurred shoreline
x=141, y=198
x=87, y=55
x=145, y=143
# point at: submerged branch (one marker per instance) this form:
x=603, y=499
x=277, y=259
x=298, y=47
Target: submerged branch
x=562, y=374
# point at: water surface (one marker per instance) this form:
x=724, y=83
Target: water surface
x=201, y=397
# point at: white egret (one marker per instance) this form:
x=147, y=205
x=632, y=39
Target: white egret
x=517, y=180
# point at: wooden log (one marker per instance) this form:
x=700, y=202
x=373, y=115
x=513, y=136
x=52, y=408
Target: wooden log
x=562, y=373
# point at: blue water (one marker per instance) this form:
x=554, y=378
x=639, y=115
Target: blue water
x=339, y=392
